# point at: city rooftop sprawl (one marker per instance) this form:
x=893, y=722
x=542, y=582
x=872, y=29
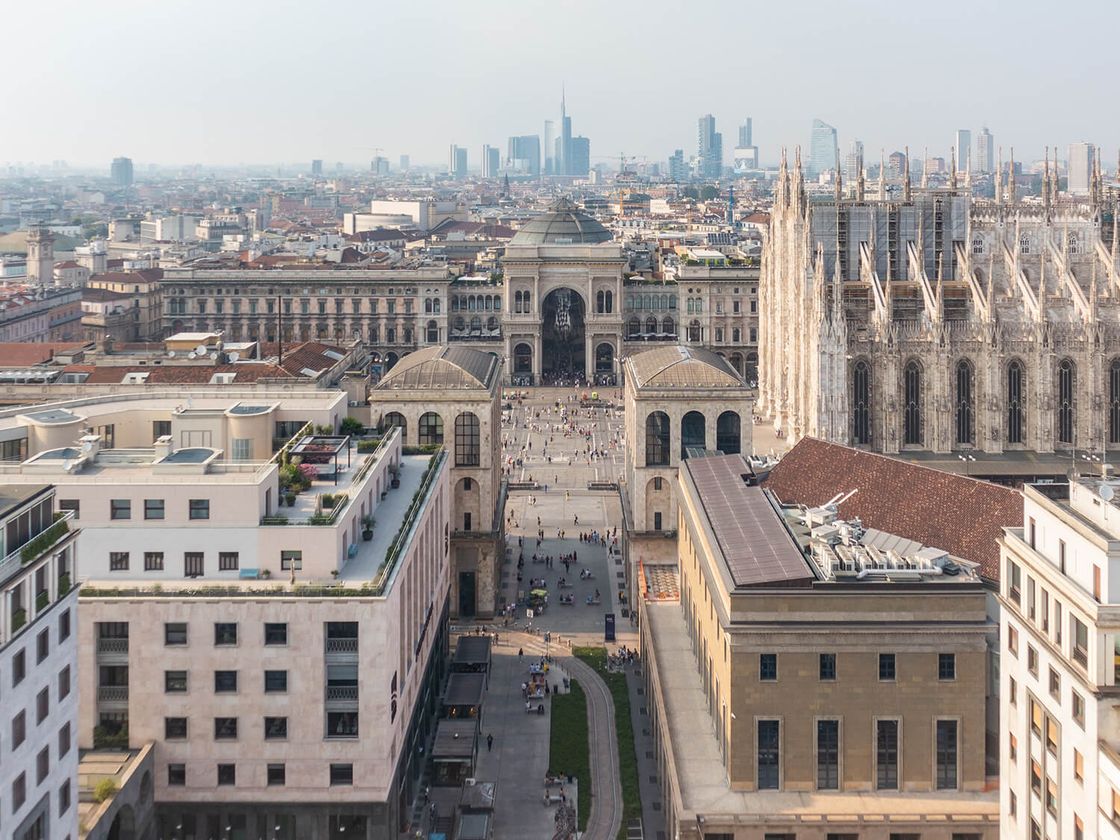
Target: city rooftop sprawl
x=753, y=493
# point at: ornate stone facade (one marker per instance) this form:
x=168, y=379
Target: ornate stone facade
x=942, y=323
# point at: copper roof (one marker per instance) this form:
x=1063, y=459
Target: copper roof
x=964, y=516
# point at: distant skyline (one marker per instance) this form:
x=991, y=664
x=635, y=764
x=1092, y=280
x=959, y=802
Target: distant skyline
x=219, y=83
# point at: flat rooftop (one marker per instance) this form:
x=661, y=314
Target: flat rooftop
x=472, y=650
x=757, y=549
x=13, y=496
x=701, y=773
x=464, y=689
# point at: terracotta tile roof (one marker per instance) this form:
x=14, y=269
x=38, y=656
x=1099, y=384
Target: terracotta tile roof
x=19, y=353
x=964, y=516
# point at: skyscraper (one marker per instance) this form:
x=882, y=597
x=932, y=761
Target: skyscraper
x=563, y=156
x=317, y=167
x=678, y=169
x=121, y=171
x=523, y=155
x=964, y=150
x=853, y=162
x=579, y=157
x=745, y=156
x=985, y=152
x=709, y=147
x=1082, y=157
x=823, y=150
x=549, y=147
x=457, y=162
x=745, y=133
x=405, y=163
x=491, y=161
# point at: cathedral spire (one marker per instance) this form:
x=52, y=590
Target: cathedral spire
x=952, y=168
x=939, y=298
x=906, y=177
x=925, y=168
x=1093, y=293
x=839, y=181
x=1046, y=182
x=837, y=286
x=861, y=182
x=1011, y=178
x=999, y=177
x=882, y=175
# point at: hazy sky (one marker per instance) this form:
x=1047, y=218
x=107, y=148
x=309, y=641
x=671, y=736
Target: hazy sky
x=250, y=81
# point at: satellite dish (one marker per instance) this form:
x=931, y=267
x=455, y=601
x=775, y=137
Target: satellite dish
x=192, y=355
x=1106, y=492
x=214, y=355
x=67, y=465
x=171, y=354
x=200, y=349
x=234, y=356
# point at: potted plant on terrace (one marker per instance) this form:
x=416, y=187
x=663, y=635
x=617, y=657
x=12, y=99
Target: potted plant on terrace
x=396, y=473
x=367, y=527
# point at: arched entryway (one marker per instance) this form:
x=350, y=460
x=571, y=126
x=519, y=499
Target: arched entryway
x=692, y=432
x=604, y=359
x=124, y=824
x=728, y=433
x=562, y=335
x=390, y=360
x=523, y=359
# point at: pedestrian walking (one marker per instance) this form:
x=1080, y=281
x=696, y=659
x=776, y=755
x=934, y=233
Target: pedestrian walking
x=490, y=742
x=520, y=652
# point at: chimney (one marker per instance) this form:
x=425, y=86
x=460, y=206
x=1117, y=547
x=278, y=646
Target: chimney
x=163, y=446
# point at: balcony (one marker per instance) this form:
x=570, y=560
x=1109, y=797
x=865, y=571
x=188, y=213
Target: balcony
x=112, y=694
x=342, y=646
x=113, y=645
x=342, y=694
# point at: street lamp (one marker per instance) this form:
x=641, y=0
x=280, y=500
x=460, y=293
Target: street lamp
x=967, y=459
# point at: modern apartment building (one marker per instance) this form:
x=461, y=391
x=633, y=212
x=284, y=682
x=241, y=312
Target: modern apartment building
x=810, y=678
x=38, y=666
x=1060, y=680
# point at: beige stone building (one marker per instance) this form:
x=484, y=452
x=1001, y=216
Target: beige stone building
x=808, y=678
x=676, y=399
x=449, y=396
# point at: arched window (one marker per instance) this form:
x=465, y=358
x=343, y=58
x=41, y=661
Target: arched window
x=522, y=359
x=1024, y=244
x=610, y=302
x=736, y=335
x=633, y=327
x=431, y=428
x=476, y=324
x=468, y=448
x=1114, y=401
x=668, y=326
x=912, y=404
x=517, y=302
x=435, y=306
x=528, y=306
x=657, y=439
x=728, y=439
x=428, y=306
x=692, y=432
x=433, y=332
x=1067, y=400
x=394, y=418
x=651, y=325
x=861, y=404
x=1016, y=396
x=472, y=303
x=719, y=335
x=978, y=245
x=694, y=331
x=965, y=406
x=1073, y=241
x=492, y=323
x=460, y=324
x=600, y=301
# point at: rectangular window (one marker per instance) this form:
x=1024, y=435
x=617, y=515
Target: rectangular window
x=1032, y=531
x=768, y=667
x=42, y=765
x=42, y=705
x=1079, y=637
x=225, y=633
x=118, y=561
x=225, y=728
x=42, y=646
x=1051, y=735
x=19, y=729
x=174, y=682
x=290, y=560
x=1012, y=640
x=225, y=681
x=64, y=626
x=276, y=775
x=342, y=774
x=120, y=509
x=153, y=561
x=1078, y=766
x=1030, y=598
x=71, y=504
x=275, y=633
x=153, y=509
x=1096, y=583
x=1012, y=747
x=65, y=794
x=769, y=755
x=19, y=667
x=175, y=633
x=1015, y=579
x=342, y=724
x=275, y=728
x=228, y=561
x=64, y=683
x=174, y=727
x=160, y=428
x=886, y=667
x=1032, y=661
x=19, y=792
x=1055, y=685
x=243, y=449
x=64, y=740
x=1036, y=718
x=946, y=755
x=1052, y=797
x=827, y=666
x=1057, y=622
x=1045, y=611
x=828, y=754
x=275, y=681
x=194, y=564
x=227, y=774
x=1062, y=556
x=946, y=666
x=200, y=508
x=886, y=755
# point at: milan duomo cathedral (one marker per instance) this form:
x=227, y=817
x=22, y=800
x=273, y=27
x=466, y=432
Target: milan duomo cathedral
x=934, y=321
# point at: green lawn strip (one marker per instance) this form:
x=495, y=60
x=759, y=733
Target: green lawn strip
x=569, y=750
x=596, y=657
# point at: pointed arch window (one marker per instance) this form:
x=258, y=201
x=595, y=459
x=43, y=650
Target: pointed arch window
x=861, y=404
x=966, y=408
x=912, y=404
x=1067, y=383
x=1016, y=394
x=1114, y=401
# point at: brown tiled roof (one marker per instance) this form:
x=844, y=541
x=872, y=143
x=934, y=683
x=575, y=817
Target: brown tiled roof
x=19, y=353
x=184, y=374
x=964, y=516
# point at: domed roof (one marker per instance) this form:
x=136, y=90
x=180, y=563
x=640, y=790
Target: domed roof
x=683, y=367
x=441, y=368
x=563, y=224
